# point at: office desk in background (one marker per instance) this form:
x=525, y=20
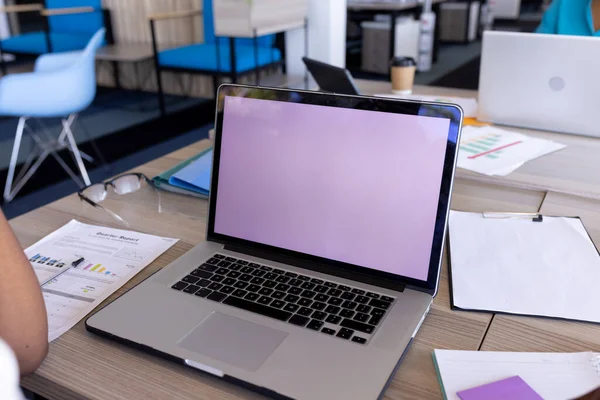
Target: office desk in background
x=393, y=9
x=573, y=170
x=134, y=54
x=81, y=365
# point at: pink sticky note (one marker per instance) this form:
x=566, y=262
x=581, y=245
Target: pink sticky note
x=513, y=388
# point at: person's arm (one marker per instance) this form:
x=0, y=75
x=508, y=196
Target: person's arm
x=549, y=22
x=23, y=322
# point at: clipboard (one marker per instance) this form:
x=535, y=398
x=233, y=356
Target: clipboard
x=571, y=310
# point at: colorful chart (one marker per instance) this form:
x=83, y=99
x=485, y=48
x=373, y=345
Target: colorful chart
x=45, y=260
x=98, y=269
x=485, y=146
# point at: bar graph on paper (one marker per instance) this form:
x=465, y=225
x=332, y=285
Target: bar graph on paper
x=86, y=266
x=489, y=146
x=97, y=269
x=47, y=260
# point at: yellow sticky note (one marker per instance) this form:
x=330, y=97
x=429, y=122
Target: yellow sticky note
x=474, y=122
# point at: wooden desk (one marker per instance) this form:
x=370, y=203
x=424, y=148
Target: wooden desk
x=83, y=366
x=132, y=53
x=574, y=170
x=394, y=9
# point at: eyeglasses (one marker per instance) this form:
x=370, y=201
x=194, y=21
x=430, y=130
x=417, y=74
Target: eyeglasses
x=124, y=184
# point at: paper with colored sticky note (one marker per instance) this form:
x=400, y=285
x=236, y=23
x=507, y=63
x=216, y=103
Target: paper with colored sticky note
x=468, y=104
x=498, y=152
x=553, y=376
x=513, y=388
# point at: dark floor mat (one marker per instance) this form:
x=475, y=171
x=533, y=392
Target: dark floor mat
x=463, y=77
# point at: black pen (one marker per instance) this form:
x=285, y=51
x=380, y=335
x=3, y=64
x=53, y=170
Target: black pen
x=76, y=263
x=64, y=268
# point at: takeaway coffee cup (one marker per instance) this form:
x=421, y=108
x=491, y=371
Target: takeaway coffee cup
x=403, y=74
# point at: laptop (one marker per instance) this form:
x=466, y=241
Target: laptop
x=540, y=81
x=327, y=218
x=331, y=78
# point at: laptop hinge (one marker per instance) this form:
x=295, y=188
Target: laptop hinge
x=325, y=269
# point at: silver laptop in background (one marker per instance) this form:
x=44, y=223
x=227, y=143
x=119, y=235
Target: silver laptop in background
x=327, y=220
x=540, y=81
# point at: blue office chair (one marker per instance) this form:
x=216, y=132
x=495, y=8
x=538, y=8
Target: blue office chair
x=62, y=85
x=70, y=26
x=216, y=57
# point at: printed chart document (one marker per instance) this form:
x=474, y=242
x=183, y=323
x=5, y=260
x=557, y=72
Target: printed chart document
x=494, y=151
x=111, y=258
x=553, y=376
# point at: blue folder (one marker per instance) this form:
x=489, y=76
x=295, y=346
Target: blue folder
x=196, y=176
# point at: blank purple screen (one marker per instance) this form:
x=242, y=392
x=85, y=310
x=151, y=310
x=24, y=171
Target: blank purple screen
x=361, y=187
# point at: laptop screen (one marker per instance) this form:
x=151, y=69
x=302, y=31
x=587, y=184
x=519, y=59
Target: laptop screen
x=357, y=186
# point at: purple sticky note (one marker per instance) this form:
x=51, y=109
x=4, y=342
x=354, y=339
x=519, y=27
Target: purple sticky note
x=513, y=388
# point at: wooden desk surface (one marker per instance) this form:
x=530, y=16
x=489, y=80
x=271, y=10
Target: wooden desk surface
x=125, y=52
x=83, y=366
x=574, y=169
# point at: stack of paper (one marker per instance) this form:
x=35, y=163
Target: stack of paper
x=549, y=268
x=540, y=375
x=494, y=151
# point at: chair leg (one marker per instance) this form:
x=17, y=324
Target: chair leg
x=215, y=82
x=62, y=141
x=69, y=171
x=74, y=149
x=19, y=185
x=33, y=155
x=8, y=193
x=51, y=150
x=2, y=64
x=232, y=55
x=161, y=94
x=44, y=149
x=256, y=62
x=305, y=52
x=27, y=170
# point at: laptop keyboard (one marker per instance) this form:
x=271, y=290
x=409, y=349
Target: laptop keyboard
x=328, y=307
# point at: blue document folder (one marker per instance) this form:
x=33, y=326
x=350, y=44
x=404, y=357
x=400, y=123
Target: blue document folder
x=196, y=176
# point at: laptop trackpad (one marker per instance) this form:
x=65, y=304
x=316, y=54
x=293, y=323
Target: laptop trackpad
x=233, y=341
